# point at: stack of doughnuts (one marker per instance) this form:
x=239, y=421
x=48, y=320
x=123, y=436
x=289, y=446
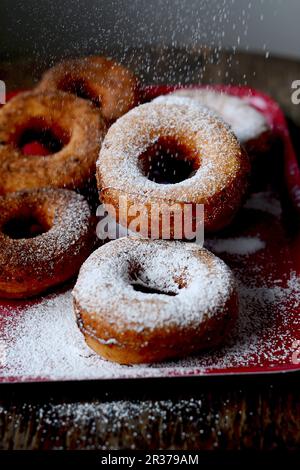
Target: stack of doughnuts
x=141, y=300
x=50, y=138
x=68, y=114
x=137, y=299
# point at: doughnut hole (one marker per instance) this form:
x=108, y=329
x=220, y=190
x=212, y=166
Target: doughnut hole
x=28, y=223
x=79, y=87
x=138, y=286
x=141, y=283
x=169, y=161
x=39, y=137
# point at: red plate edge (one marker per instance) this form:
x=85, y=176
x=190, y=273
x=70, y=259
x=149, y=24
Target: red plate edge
x=277, y=121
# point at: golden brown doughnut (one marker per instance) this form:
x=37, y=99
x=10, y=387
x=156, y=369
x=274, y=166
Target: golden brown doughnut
x=45, y=235
x=166, y=153
x=71, y=127
x=143, y=301
x=110, y=86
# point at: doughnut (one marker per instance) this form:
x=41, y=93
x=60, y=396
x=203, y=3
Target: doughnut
x=110, y=86
x=70, y=129
x=163, y=153
x=248, y=124
x=143, y=301
x=45, y=235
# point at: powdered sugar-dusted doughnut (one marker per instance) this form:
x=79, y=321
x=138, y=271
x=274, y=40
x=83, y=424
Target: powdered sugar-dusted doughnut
x=138, y=300
x=45, y=235
x=248, y=124
x=108, y=85
x=166, y=153
x=69, y=127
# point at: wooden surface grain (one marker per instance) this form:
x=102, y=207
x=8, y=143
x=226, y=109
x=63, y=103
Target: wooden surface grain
x=222, y=414
x=228, y=413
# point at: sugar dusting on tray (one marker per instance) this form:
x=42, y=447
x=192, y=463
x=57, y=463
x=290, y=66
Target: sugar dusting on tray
x=42, y=340
x=237, y=246
x=45, y=341
x=264, y=201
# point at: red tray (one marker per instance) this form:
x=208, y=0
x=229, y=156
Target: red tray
x=262, y=248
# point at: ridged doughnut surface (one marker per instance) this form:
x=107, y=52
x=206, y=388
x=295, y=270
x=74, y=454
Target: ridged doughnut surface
x=77, y=128
x=138, y=300
x=214, y=168
x=110, y=86
x=45, y=235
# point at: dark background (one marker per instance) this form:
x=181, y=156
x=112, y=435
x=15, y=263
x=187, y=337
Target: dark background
x=52, y=28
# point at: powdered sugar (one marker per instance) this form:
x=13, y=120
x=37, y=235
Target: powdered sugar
x=200, y=283
x=44, y=341
x=246, y=122
x=69, y=236
x=118, y=424
x=264, y=201
x=131, y=135
x=256, y=337
x=237, y=246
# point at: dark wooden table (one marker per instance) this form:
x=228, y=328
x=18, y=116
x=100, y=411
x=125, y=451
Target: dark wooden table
x=257, y=412
x=230, y=413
